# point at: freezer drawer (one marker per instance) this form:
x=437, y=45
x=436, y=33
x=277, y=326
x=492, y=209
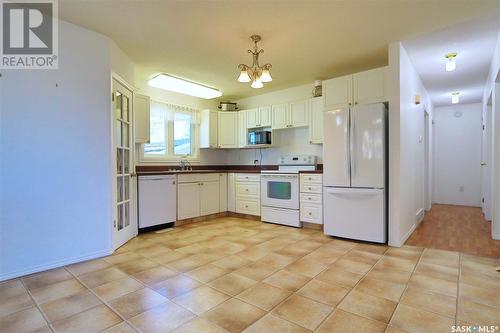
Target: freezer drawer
x=355, y=213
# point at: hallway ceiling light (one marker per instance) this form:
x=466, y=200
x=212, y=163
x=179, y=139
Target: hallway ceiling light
x=255, y=73
x=455, y=97
x=450, y=61
x=172, y=83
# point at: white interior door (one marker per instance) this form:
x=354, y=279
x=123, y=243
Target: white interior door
x=125, y=218
x=486, y=145
x=368, y=146
x=336, y=148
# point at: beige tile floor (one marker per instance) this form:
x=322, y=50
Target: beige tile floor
x=234, y=275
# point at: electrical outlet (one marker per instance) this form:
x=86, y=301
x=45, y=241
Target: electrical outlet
x=255, y=162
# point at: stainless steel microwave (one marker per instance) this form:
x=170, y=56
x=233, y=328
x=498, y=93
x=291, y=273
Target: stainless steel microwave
x=259, y=137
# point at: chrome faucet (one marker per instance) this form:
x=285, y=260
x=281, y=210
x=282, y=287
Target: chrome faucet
x=185, y=165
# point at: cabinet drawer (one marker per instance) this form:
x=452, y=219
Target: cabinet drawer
x=247, y=188
x=310, y=188
x=248, y=177
x=311, y=213
x=250, y=207
x=311, y=198
x=311, y=178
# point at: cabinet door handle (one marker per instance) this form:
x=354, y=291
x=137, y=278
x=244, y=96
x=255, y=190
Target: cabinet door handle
x=310, y=213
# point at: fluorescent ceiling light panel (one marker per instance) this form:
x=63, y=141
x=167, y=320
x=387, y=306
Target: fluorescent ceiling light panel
x=172, y=83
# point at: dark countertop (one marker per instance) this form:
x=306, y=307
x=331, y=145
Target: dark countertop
x=144, y=170
x=153, y=173
x=180, y=172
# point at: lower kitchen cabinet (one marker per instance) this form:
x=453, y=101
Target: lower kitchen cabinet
x=187, y=204
x=311, y=198
x=209, y=198
x=197, y=195
x=223, y=192
x=247, y=190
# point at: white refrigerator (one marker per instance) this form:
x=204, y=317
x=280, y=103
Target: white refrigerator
x=354, y=171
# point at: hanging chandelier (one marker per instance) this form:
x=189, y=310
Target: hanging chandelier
x=255, y=73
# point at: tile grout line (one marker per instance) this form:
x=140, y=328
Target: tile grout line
x=355, y=285
x=104, y=302
x=406, y=287
x=49, y=324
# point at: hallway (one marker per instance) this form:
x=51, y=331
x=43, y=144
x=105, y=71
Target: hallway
x=456, y=228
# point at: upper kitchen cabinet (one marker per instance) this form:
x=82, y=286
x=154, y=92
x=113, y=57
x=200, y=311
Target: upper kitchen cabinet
x=337, y=92
x=360, y=88
x=242, y=132
x=299, y=113
x=141, y=118
x=370, y=86
x=208, y=129
x=228, y=135
x=265, y=116
x=295, y=114
x=316, y=120
x=258, y=117
x=252, y=116
x=280, y=116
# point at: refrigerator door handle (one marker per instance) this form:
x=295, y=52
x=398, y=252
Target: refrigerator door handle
x=352, y=153
x=348, y=146
x=358, y=195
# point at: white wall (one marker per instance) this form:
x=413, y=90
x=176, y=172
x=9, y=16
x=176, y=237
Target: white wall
x=56, y=158
x=290, y=141
x=406, y=145
x=457, y=155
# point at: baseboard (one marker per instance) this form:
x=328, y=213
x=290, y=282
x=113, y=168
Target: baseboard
x=419, y=216
x=406, y=236
x=495, y=236
x=55, y=264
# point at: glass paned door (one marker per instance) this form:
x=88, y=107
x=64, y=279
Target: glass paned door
x=123, y=228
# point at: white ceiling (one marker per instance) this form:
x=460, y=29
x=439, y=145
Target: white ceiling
x=204, y=41
x=474, y=41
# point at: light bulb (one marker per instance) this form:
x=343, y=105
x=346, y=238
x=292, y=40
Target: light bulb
x=244, y=77
x=450, y=61
x=257, y=83
x=266, y=76
x=450, y=65
x=455, y=98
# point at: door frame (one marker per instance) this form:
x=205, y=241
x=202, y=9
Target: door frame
x=427, y=160
x=133, y=186
x=486, y=157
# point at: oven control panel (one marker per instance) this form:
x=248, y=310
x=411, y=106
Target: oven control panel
x=297, y=160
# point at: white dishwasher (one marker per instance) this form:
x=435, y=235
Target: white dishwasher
x=157, y=201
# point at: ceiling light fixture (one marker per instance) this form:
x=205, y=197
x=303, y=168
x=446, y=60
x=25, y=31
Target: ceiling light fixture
x=255, y=73
x=455, y=97
x=172, y=83
x=450, y=61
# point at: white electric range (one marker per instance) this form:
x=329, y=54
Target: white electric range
x=280, y=190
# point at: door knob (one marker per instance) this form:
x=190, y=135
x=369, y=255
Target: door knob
x=483, y=163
